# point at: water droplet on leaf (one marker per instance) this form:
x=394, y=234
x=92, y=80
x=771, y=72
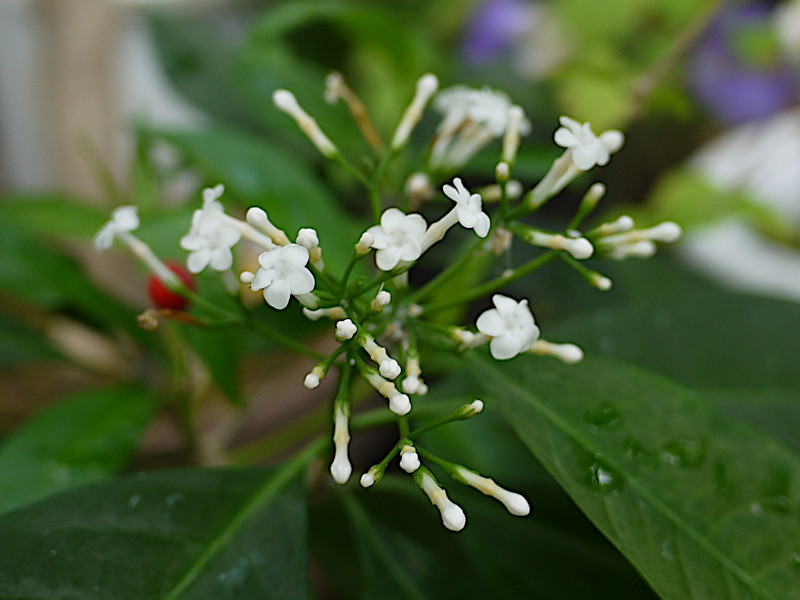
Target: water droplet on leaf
x=668, y=550
x=684, y=452
x=134, y=500
x=638, y=453
x=604, y=416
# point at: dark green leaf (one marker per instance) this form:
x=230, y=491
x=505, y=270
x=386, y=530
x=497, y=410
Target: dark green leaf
x=81, y=439
x=196, y=534
x=702, y=337
x=50, y=214
x=19, y=343
x=704, y=508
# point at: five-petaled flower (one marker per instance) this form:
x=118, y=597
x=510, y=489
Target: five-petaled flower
x=211, y=237
x=123, y=219
x=510, y=326
x=282, y=273
x=468, y=207
x=397, y=238
x=587, y=148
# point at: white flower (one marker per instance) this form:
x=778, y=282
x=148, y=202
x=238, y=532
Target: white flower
x=123, y=219
x=282, y=273
x=468, y=207
x=397, y=238
x=587, y=149
x=471, y=119
x=211, y=237
x=409, y=459
x=345, y=329
x=510, y=326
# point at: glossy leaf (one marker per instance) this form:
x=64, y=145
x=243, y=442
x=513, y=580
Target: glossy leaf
x=79, y=440
x=701, y=336
x=704, y=508
x=192, y=533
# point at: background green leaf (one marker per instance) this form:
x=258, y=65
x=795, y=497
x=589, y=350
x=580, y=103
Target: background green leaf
x=704, y=508
x=190, y=533
x=81, y=439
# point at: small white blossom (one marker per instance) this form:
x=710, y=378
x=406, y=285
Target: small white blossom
x=123, y=219
x=389, y=368
x=211, y=237
x=510, y=326
x=470, y=410
x=345, y=329
x=308, y=238
x=367, y=480
x=397, y=238
x=471, y=119
x=382, y=298
x=283, y=273
x=409, y=459
x=468, y=207
x=587, y=149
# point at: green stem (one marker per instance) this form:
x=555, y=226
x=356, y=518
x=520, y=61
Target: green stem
x=495, y=284
x=444, y=275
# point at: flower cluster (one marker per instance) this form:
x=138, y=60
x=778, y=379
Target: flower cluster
x=381, y=323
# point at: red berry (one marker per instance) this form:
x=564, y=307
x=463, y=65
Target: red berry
x=160, y=294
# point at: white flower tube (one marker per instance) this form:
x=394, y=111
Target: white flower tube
x=515, y=503
x=453, y=516
x=340, y=467
x=286, y=102
x=426, y=88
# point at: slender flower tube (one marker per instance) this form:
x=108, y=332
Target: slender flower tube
x=579, y=247
x=515, y=503
x=453, y=516
x=340, y=467
x=399, y=404
x=285, y=101
x=426, y=88
x=566, y=353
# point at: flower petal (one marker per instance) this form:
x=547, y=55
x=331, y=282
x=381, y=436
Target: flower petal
x=491, y=323
x=505, y=347
x=263, y=278
x=221, y=258
x=391, y=219
x=198, y=260
x=415, y=225
x=482, y=224
x=301, y=281
x=565, y=138
x=583, y=157
x=295, y=255
x=613, y=139
x=505, y=305
x=387, y=258
x=277, y=294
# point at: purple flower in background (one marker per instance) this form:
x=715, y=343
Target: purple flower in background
x=494, y=28
x=737, y=72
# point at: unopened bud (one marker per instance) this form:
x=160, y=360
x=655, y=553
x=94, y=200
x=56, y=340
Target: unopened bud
x=345, y=330
x=409, y=459
x=364, y=244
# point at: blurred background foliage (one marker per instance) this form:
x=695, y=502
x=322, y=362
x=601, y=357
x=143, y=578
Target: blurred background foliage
x=88, y=394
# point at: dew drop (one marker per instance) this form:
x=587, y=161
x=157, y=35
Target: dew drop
x=53, y=552
x=794, y=561
x=668, y=550
x=174, y=499
x=684, y=452
x=756, y=509
x=604, y=416
x=598, y=475
x=638, y=453
x=134, y=500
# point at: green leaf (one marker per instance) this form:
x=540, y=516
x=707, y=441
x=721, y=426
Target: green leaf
x=19, y=343
x=51, y=214
x=701, y=336
x=81, y=439
x=704, y=508
x=190, y=533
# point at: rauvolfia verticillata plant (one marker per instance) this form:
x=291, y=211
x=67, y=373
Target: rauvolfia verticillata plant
x=381, y=321
x=674, y=503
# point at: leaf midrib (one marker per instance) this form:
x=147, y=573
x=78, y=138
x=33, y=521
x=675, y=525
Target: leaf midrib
x=642, y=490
